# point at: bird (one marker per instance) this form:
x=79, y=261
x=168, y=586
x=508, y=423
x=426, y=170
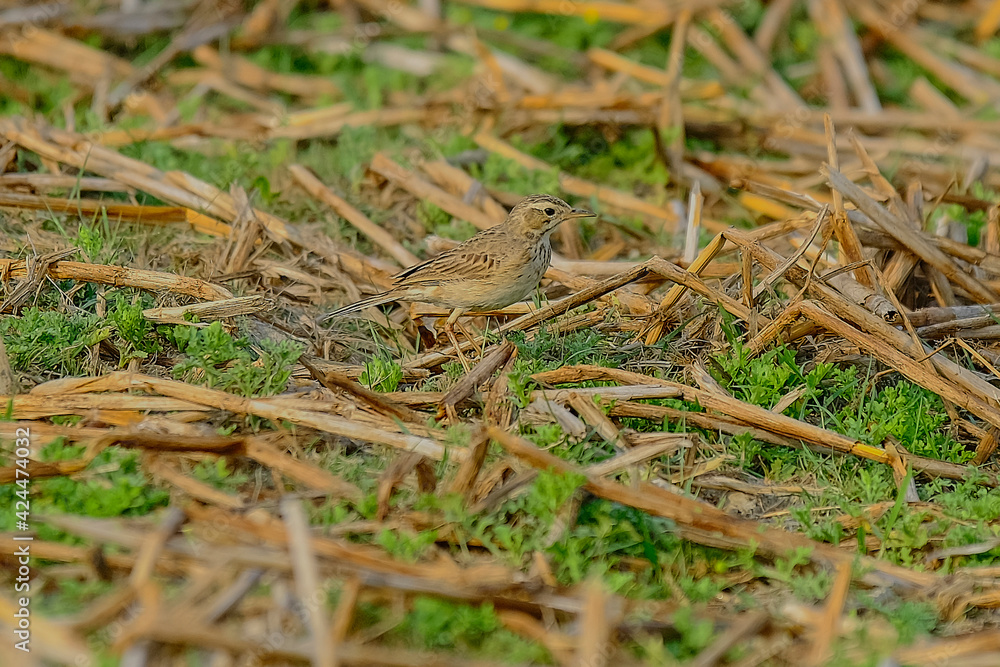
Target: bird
x=495, y=268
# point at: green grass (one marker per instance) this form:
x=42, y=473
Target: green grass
x=382, y=374
x=843, y=400
x=120, y=489
x=50, y=341
x=213, y=357
x=474, y=630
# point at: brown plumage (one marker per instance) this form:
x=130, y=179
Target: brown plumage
x=493, y=269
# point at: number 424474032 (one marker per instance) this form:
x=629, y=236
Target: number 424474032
x=22, y=451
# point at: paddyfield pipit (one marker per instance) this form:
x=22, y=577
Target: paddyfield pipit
x=495, y=268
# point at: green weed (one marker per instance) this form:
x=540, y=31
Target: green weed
x=50, y=341
x=807, y=583
x=406, y=546
x=624, y=163
x=120, y=489
x=71, y=595
x=137, y=339
x=695, y=633
x=605, y=534
x=214, y=358
x=505, y=173
x=219, y=473
x=521, y=525
x=912, y=619
x=382, y=374
x=841, y=400
x=441, y=624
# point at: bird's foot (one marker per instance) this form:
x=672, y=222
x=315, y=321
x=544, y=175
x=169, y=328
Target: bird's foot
x=450, y=332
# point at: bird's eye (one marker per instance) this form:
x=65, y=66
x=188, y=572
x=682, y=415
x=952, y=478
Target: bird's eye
x=550, y=211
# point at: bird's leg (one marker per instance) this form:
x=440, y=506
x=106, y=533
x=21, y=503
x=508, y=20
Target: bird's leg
x=468, y=335
x=449, y=330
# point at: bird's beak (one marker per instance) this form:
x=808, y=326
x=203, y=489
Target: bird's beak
x=580, y=213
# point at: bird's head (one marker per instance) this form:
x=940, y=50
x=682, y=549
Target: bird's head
x=538, y=215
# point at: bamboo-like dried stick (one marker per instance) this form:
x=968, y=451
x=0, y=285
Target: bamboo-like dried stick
x=849, y=53
x=358, y=220
x=265, y=453
x=210, y=310
x=829, y=623
x=772, y=24
x=191, y=486
x=968, y=389
x=739, y=417
x=744, y=627
x=643, y=447
x=655, y=330
x=850, y=247
x=122, y=276
x=754, y=61
x=670, y=121
x=693, y=230
x=578, y=299
x=617, y=12
x=635, y=304
x=594, y=417
x=690, y=88
x=988, y=22
x=732, y=73
x=246, y=73
x=976, y=89
x=967, y=648
x=909, y=237
x=85, y=155
x=483, y=370
x=579, y=186
x=115, y=210
x=305, y=568
x=779, y=271
x=148, y=440
x=176, y=395
x=700, y=522
x=649, y=389
x=35, y=407
x=932, y=316
x=86, y=64
x=40, y=182
x=336, y=381
x=331, y=127
x=598, y=619
x=410, y=181
x=460, y=183
x=756, y=416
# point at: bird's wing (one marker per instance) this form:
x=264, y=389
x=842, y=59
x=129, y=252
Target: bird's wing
x=472, y=260
x=465, y=265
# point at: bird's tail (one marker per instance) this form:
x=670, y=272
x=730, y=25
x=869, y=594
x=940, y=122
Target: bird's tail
x=376, y=300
